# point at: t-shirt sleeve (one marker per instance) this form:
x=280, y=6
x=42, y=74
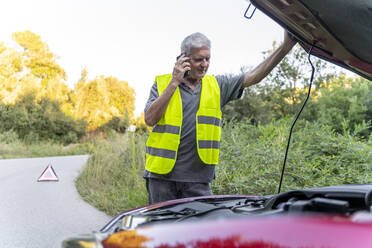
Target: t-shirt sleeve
x=231, y=87
x=154, y=94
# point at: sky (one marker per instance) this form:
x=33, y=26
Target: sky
x=135, y=40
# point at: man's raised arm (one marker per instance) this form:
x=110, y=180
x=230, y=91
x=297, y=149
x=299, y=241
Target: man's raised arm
x=262, y=70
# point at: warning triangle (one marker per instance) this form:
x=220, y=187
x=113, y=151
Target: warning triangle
x=48, y=174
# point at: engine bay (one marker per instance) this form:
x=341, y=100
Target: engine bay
x=352, y=201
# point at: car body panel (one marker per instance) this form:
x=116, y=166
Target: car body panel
x=275, y=231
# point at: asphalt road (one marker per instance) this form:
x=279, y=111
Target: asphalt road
x=42, y=214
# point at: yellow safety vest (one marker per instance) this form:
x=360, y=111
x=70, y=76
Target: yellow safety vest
x=162, y=144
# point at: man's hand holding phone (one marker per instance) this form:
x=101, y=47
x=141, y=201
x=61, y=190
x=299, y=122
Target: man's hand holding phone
x=181, y=68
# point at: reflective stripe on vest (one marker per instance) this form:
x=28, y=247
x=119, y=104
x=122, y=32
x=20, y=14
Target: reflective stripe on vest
x=166, y=129
x=163, y=142
x=164, y=153
x=209, y=120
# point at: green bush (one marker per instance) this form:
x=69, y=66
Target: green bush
x=345, y=103
x=118, y=124
x=142, y=128
x=251, y=158
x=43, y=120
x=341, y=103
x=9, y=137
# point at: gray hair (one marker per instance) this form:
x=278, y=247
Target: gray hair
x=195, y=40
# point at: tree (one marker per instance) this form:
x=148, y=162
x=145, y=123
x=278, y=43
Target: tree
x=121, y=95
x=14, y=82
x=345, y=103
x=283, y=91
x=33, y=70
x=287, y=85
x=99, y=100
x=41, y=62
x=42, y=65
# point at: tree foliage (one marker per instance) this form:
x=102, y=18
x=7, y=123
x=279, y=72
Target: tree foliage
x=41, y=62
x=100, y=100
x=345, y=103
x=32, y=69
x=35, y=120
x=340, y=102
x=14, y=82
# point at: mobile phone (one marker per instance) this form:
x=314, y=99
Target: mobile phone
x=187, y=73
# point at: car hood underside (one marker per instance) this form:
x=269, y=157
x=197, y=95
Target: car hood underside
x=340, y=31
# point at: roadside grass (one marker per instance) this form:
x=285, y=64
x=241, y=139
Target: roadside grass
x=12, y=147
x=251, y=160
x=112, y=179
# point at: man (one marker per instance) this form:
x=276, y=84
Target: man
x=185, y=113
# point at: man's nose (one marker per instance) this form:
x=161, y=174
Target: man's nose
x=205, y=62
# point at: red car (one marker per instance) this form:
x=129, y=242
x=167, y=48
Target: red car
x=320, y=217
x=329, y=217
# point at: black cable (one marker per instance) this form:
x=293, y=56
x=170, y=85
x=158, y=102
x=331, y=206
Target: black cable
x=298, y=115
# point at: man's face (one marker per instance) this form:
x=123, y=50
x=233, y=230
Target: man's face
x=199, y=61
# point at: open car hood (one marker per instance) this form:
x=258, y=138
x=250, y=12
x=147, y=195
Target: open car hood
x=341, y=30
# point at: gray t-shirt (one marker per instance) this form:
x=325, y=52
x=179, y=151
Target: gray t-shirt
x=188, y=166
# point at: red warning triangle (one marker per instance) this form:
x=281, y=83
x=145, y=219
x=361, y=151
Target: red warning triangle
x=48, y=174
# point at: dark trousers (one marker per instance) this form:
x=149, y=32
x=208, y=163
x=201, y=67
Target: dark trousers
x=162, y=190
